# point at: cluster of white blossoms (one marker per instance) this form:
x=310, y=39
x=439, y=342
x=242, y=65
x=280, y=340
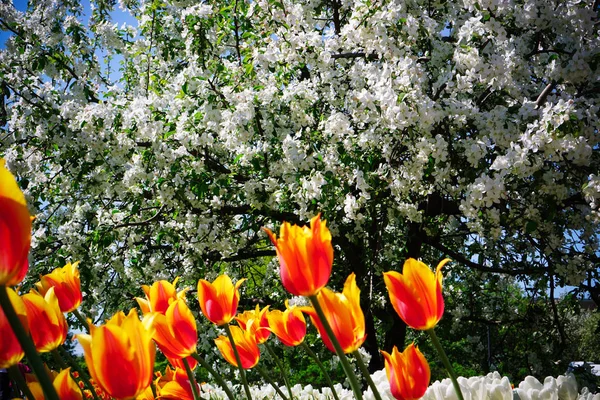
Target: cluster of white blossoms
x=212, y=121
x=489, y=387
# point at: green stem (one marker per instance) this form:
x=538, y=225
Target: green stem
x=238, y=360
x=446, y=362
x=82, y=319
x=82, y=375
x=270, y=382
x=338, y=349
x=27, y=345
x=192, y=379
x=322, y=367
x=153, y=388
x=17, y=377
x=215, y=375
x=366, y=374
x=58, y=359
x=283, y=373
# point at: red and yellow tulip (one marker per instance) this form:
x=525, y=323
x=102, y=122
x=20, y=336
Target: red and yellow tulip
x=15, y=230
x=66, y=387
x=305, y=256
x=416, y=294
x=408, y=373
x=120, y=354
x=177, y=388
x=159, y=296
x=289, y=325
x=245, y=344
x=175, y=331
x=344, y=315
x=10, y=349
x=66, y=284
x=43, y=313
x=260, y=327
x=219, y=300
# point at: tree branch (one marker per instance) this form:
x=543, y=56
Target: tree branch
x=547, y=90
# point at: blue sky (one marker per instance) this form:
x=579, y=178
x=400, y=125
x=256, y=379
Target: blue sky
x=118, y=16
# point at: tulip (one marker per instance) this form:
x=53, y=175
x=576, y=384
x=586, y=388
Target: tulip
x=344, y=315
x=10, y=348
x=15, y=230
x=305, y=256
x=260, y=328
x=66, y=284
x=289, y=326
x=219, y=300
x=159, y=296
x=175, y=331
x=407, y=372
x=245, y=344
x=66, y=387
x=44, y=313
x=120, y=354
x=416, y=294
x=178, y=387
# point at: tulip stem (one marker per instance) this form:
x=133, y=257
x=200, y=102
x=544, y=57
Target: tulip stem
x=82, y=375
x=192, y=379
x=58, y=359
x=366, y=374
x=215, y=375
x=446, y=362
x=238, y=360
x=17, y=377
x=265, y=376
x=82, y=319
x=338, y=349
x=322, y=367
x=27, y=345
x=280, y=366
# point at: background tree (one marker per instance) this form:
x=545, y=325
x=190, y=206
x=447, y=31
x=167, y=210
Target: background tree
x=418, y=128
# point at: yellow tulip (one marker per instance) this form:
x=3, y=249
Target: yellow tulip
x=245, y=344
x=289, y=326
x=343, y=314
x=15, y=230
x=219, y=300
x=120, y=354
x=416, y=294
x=66, y=284
x=43, y=313
x=408, y=373
x=10, y=348
x=305, y=256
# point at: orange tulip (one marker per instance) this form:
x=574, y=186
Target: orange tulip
x=344, y=315
x=305, y=256
x=66, y=284
x=289, y=326
x=43, y=313
x=178, y=387
x=15, y=230
x=10, y=349
x=159, y=296
x=416, y=294
x=407, y=372
x=260, y=328
x=120, y=354
x=245, y=344
x=219, y=300
x=66, y=387
x=175, y=331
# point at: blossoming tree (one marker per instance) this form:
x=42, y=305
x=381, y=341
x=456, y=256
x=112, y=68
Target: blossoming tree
x=431, y=128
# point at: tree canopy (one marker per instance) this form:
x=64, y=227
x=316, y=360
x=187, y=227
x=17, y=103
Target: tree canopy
x=418, y=128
